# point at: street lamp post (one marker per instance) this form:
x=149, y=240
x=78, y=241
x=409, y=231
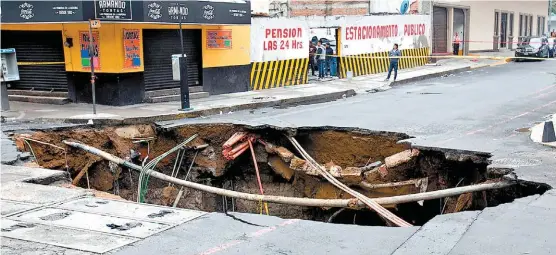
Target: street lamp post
x=92, y=64
x=184, y=86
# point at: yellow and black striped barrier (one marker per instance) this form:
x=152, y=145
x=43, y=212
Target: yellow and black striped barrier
x=280, y=73
x=273, y=74
x=372, y=63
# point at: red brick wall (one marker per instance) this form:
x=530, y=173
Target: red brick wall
x=328, y=7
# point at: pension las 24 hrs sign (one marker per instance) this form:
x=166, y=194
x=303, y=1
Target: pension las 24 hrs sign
x=278, y=40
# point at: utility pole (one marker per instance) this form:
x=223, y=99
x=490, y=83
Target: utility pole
x=184, y=86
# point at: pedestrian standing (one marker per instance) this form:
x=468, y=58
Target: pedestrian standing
x=394, y=55
x=456, y=43
x=312, y=51
x=329, y=54
x=321, y=58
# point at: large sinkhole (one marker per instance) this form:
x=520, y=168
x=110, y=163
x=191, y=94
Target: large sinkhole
x=376, y=164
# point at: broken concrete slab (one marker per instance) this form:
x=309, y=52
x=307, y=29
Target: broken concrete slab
x=94, y=222
x=31, y=174
x=280, y=167
x=78, y=239
x=11, y=207
x=38, y=194
x=526, y=231
x=351, y=175
x=439, y=235
x=11, y=246
x=131, y=210
x=547, y=200
x=401, y=158
x=251, y=234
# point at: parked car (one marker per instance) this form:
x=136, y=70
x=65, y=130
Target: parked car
x=533, y=47
x=552, y=47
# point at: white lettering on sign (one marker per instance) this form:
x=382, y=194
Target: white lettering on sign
x=112, y=4
x=379, y=33
x=278, y=39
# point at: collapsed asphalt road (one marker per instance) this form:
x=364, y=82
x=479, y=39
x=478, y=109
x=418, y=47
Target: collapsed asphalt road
x=483, y=110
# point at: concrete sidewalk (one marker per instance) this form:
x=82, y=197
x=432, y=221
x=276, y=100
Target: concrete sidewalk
x=323, y=91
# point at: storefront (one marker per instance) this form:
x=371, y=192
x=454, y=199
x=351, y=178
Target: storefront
x=132, y=48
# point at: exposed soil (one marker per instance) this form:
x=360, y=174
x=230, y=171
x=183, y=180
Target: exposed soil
x=355, y=156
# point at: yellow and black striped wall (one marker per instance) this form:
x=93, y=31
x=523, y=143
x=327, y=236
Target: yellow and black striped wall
x=280, y=73
x=371, y=63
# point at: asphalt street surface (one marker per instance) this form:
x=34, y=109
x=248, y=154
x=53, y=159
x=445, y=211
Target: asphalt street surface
x=482, y=110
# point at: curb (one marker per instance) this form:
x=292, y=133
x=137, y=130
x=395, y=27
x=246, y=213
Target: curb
x=312, y=99
x=432, y=75
x=305, y=100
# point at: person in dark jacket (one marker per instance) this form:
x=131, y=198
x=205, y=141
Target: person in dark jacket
x=312, y=51
x=394, y=55
x=329, y=54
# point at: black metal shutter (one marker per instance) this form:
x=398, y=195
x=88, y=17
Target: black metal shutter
x=440, y=30
x=38, y=46
x=158, y=47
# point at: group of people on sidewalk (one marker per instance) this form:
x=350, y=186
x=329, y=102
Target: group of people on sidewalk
x=322, y=55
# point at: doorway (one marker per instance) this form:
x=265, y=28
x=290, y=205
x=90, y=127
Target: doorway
x=440, y=30
x=503, y=30
x=459, y=27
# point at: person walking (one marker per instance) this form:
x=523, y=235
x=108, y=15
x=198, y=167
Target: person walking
x=456, y=43
x=312, y=51
x=321, y=58
x=329, y=54
x=394, y=55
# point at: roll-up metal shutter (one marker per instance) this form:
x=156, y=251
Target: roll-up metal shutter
x=43, y=52
x=440, y=30
x=159, y=46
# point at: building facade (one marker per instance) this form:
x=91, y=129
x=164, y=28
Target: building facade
x=360, y=33
x=486, y=25
x=133, y=47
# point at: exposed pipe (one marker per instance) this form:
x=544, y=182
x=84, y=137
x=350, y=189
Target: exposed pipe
x=313, y=202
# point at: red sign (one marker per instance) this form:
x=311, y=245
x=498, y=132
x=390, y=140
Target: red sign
x=132, y=48
x=219, y=39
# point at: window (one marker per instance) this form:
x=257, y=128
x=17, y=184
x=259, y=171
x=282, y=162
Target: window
x=511, y=24
x=530, y=25
x=543, y=22
x=539, y=25
x=520, y=24
x=496, y=23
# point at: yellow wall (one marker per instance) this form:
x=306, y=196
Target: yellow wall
x=111, y=47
